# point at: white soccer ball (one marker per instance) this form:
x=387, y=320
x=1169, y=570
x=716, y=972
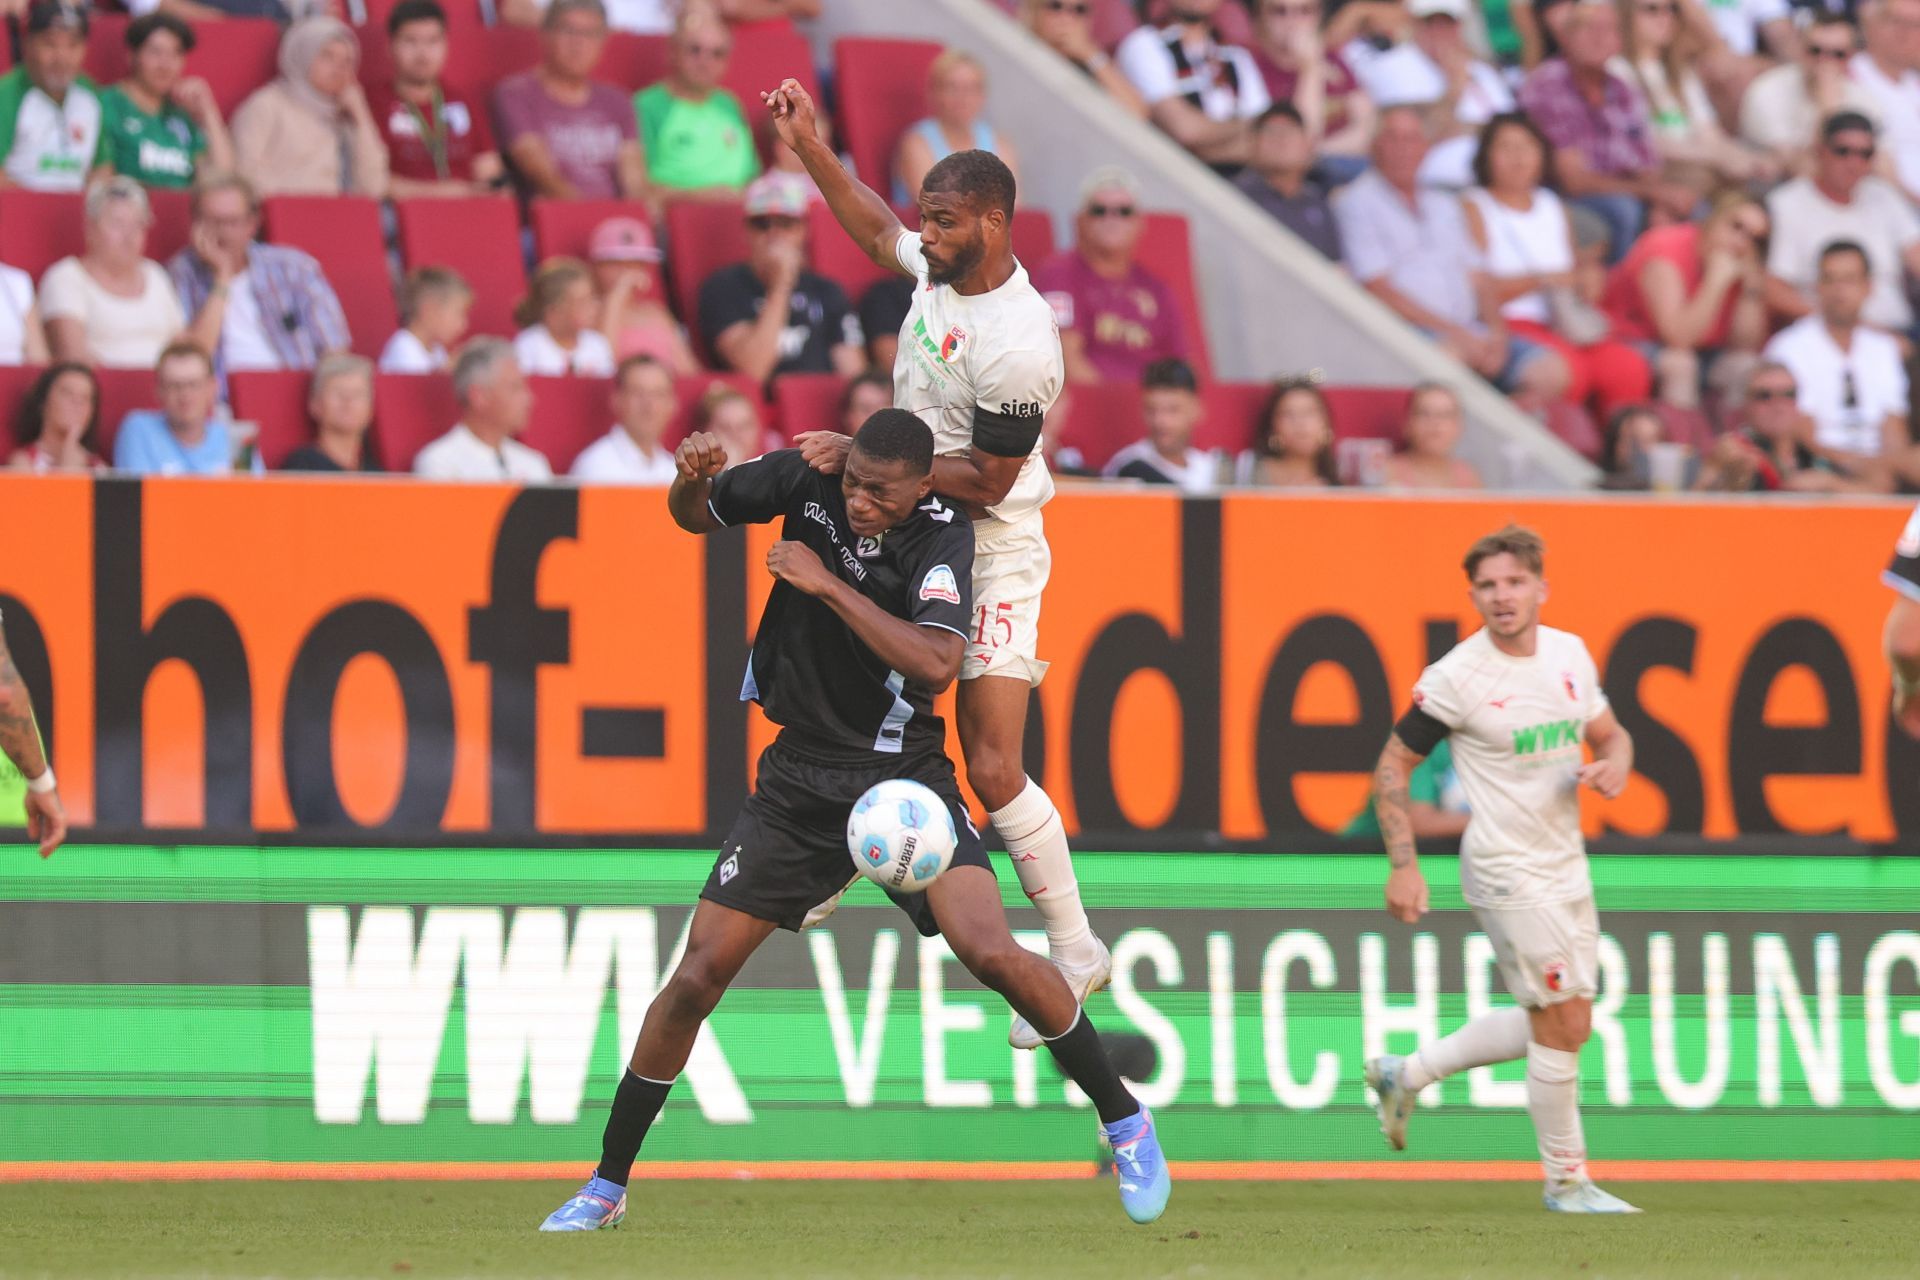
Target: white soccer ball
x=901, y=835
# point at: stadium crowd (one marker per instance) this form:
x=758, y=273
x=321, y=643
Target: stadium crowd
x=1681, y=233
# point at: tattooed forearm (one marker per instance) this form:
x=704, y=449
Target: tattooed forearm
x=1393, y=806
x=19, y=737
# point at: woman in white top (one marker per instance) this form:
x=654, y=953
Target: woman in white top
x=113, y=305
x=1663, y=57
x=1521, y=228
x=560, y=313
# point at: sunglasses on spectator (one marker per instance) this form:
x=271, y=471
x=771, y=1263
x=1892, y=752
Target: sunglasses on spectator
x=708, y=50
x=1110, y=211
x=1767, y=395
x=771, y=222
x=1079, y=10
x=1852, y=153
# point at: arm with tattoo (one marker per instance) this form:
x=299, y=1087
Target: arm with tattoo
x=20, y=739
x=1406, y=887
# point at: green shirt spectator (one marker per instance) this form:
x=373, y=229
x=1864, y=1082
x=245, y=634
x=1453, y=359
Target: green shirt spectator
x=1427, y=788
x=156, y=150
x=49, y=112
x=161, y=126
x=696, y=136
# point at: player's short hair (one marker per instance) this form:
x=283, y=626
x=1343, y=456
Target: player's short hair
x=409, y=11
x=980, y=176
x=1835, y=248
x=1521, y=543
x=894, y=435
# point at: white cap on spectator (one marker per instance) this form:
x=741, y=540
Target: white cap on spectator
x=1455, y=9
x=1110, y=177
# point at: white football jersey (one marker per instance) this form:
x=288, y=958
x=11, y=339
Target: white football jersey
x=1517, y=725
x=998, y=350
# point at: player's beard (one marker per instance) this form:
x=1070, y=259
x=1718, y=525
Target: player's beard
x=963, y=264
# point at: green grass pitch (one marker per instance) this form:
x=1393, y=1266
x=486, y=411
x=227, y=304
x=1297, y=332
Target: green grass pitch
x=900, y=1230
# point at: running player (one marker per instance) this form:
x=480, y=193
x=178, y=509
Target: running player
x=20, y=739
x=1515, y=700
x=980, y=363
x=865, y=624
x=1901, y=640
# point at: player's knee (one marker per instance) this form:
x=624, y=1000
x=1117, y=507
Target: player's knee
x=998, y=966
x=1568, y=1025
x=694, y=989
x=996, y=777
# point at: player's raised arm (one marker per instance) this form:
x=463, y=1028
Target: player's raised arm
x=1612, y=762
x=20, y=739
x=863, y=214
x=1393, y=805
x=699, y=459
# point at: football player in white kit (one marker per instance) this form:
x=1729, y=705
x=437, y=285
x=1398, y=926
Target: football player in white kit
x=980, y=363
x=1901, y=639
x=1515, y=700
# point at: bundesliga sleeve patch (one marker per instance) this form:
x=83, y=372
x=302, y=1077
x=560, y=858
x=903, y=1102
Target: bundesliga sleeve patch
x=939, y=584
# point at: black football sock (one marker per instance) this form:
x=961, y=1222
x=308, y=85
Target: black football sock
x=635, y=1105
x=1085, y=1062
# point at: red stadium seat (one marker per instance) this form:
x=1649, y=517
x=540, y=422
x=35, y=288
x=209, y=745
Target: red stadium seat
x=410, y=411
x=15, y=381
x=882, y=90
x=107, y=56
x=689, y=391
x=343, y=235
x=483, y=58
x=1232, y=415
x=1377, y=413
x=1166, y=251
x=702, y=237
x=1102, y=419
x=836, y=256
x=807, y=402
x=478, y=237
x=1033, y=241
x=172, y=223
x=38, y=228
x=632, y=62
x=275, y=400
x=566, y=226
x=121, y=392
x=764, y=54
x=568, y=415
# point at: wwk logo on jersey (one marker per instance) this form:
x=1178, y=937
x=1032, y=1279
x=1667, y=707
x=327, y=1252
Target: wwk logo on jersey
x=1550, y=736
x=939, y=584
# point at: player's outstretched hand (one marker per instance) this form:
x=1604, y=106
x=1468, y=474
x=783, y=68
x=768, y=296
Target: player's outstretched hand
x=1407, y=894
x=794, y=118
x=825, y=451
x=700, y=456
x=1605, y=776
x=46, y=821
x=795, y=562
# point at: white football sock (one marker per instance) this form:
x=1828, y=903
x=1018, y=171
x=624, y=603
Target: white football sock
x=1553, y=1100
x=1036, y=841
x=1500, y=1036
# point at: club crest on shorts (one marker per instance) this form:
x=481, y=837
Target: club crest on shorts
x=939, y=584
x=953, y=344
x=1556, y=976
x=730, y=868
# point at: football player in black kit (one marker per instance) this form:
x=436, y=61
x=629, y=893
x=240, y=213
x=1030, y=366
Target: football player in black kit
x=866, y=623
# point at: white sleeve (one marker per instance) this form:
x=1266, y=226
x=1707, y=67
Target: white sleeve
x=63, y=291
x=911, y=255
x=1366, y=252
x=588, y=469
x=1254, y=97
x=1147, y=64
x=405, y=353
x=1896, y=384
x=1907, y=221
x=1022, y=383
x=1596, y=696
x=1435, y=694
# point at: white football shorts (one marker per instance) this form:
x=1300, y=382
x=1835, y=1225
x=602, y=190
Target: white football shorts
x=1547, y=954
x=1011, y=565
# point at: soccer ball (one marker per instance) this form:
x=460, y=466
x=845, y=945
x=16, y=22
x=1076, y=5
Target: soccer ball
x=901, y=835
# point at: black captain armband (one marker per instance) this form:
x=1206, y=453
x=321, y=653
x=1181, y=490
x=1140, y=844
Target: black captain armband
x=1420, y=732
x=1009, y=433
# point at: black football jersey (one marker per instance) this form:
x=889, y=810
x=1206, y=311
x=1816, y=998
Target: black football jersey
x=808, y=670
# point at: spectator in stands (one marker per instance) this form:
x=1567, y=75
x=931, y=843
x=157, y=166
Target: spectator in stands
x=862, y=397
x=1116, y=317
x=1782, y=109
x=1627, y=442
x=1842, y=200
x=439, y=138
x=1526, y=239
x=1851, y=378
x=1409, y=245
x=158, y=126
x=183, y=437
x=1301, y=70
x=770, y=314
x=633, y=450
x=1204, y=94
x=626, y=277
x=49, y=110
x=1429, y=439
x=695, y=134
x=1889, y=68
x=340, y=402
x=1692, y=293
x=495, y=403
x=1276, y=179
x=569, y=136
x=1663, y=55
x=637, y=17
x=955, y=121
x=1601, y=133
x=1066, y=27
x=558, y=318
x=739, y=11
x=112, y=305
x=256, y=306
x=23, y=338
x=1171, y=407
x=1768, y=450
x=435, y=303
x=735, y=418
x=1436, y=70
x=311, y=132
x=59, y=422
x=883, y=310
x=1293, y=448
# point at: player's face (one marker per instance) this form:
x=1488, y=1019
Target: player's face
x=953, y=235
x=880, y=494
x=419, y=52
x=1508, y=595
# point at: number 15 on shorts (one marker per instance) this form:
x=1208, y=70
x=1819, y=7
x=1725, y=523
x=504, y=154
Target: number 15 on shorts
x=993, y=625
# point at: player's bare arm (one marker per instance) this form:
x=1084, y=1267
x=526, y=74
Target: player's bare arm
x=863, y=214
x=1612, y=762
x=974, y=480
x=1406, y=887
x=20, y=739
x=697, y=461
x=928, y=656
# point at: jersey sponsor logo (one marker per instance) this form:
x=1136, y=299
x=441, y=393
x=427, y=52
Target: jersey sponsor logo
x=1022, y=408
x=953, y=344
x=939, y=584
x=1551, y=736
x=158, y=159
x=936, y=510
